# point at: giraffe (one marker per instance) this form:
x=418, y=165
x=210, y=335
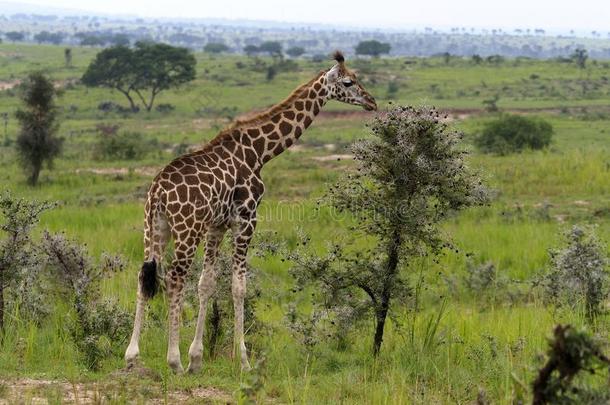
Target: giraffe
x=219, y=187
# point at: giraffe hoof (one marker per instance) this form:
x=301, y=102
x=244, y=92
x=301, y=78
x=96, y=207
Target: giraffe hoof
x=193, y=368
x=132, y=362
x=194, y=364
x=176, y=367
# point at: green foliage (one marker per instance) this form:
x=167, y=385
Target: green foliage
x=149, y=67
x=295, y=51
x=393, y=87
x=250, y=389
x=14, y=36
x=410, y=176
x=68, y=56
x=580, y=57
x=372, y=48
x=579, y=274
x=37, y=142
x=273, y=48
x=100, y=326
x=49, y=37
x=251, y=50
x=125, y=145
x=514, y=133
x=215, y=47
x=113, y=68
x=491, y=104
x=571, y=352
x=19, y=262
x=271, y=72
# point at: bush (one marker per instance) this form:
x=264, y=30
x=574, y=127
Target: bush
x=579, y=273
x=111, y=106
x=165, y=108
x=99, y=326
x=123, y=146
x=514, y=133
x=563, y=379
x=19, y=263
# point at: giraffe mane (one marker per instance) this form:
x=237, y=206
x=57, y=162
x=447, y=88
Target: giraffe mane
x=267, y=114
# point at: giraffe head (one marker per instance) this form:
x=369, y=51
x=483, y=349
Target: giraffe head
x=343, y=85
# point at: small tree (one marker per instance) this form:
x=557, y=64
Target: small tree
x=410, y=176
x=295, y=51
x=580, y=57
x=251, y=50
x=372, y=48
x=37, y=142
x=14, y=36
x=579, y=273
x=68, y=56
x=273, y=48
x=214, y=47
x=17, y=254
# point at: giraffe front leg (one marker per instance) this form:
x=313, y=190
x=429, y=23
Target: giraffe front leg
x=242, y=235
x=239, y=293
x=206, y=288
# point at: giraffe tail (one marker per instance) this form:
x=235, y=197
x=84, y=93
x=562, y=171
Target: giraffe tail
x=149, y=275
x=149, y=283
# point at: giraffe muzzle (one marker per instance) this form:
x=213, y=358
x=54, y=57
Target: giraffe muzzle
x=369, y=104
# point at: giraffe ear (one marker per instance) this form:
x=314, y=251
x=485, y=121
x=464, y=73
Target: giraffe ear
x=333, y=73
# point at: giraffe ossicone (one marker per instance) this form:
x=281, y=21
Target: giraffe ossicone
x=205, y=193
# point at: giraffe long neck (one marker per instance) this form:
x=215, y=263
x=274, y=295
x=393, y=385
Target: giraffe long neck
x=271, y=138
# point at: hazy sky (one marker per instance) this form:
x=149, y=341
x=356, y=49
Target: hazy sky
x=582, y=15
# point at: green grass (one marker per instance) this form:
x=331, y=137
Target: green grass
x=478, y=344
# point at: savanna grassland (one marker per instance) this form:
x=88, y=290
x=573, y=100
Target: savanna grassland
x=450, y=345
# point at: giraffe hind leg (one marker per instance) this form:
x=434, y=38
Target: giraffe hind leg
x=148, y=283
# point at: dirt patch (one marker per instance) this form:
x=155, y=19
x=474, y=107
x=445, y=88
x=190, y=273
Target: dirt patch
x=328, y=158
x=121, y=390
x=9, y=84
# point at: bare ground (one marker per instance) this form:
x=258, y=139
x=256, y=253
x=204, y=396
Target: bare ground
x=117, y=389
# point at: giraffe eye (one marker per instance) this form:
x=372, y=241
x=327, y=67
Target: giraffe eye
x=347, y=82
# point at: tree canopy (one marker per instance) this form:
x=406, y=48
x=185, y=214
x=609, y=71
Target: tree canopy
x=14, y=36
x=372, y=48
x=144, y=71
x=214, y=47
x=295, y=51
x=273, y=48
